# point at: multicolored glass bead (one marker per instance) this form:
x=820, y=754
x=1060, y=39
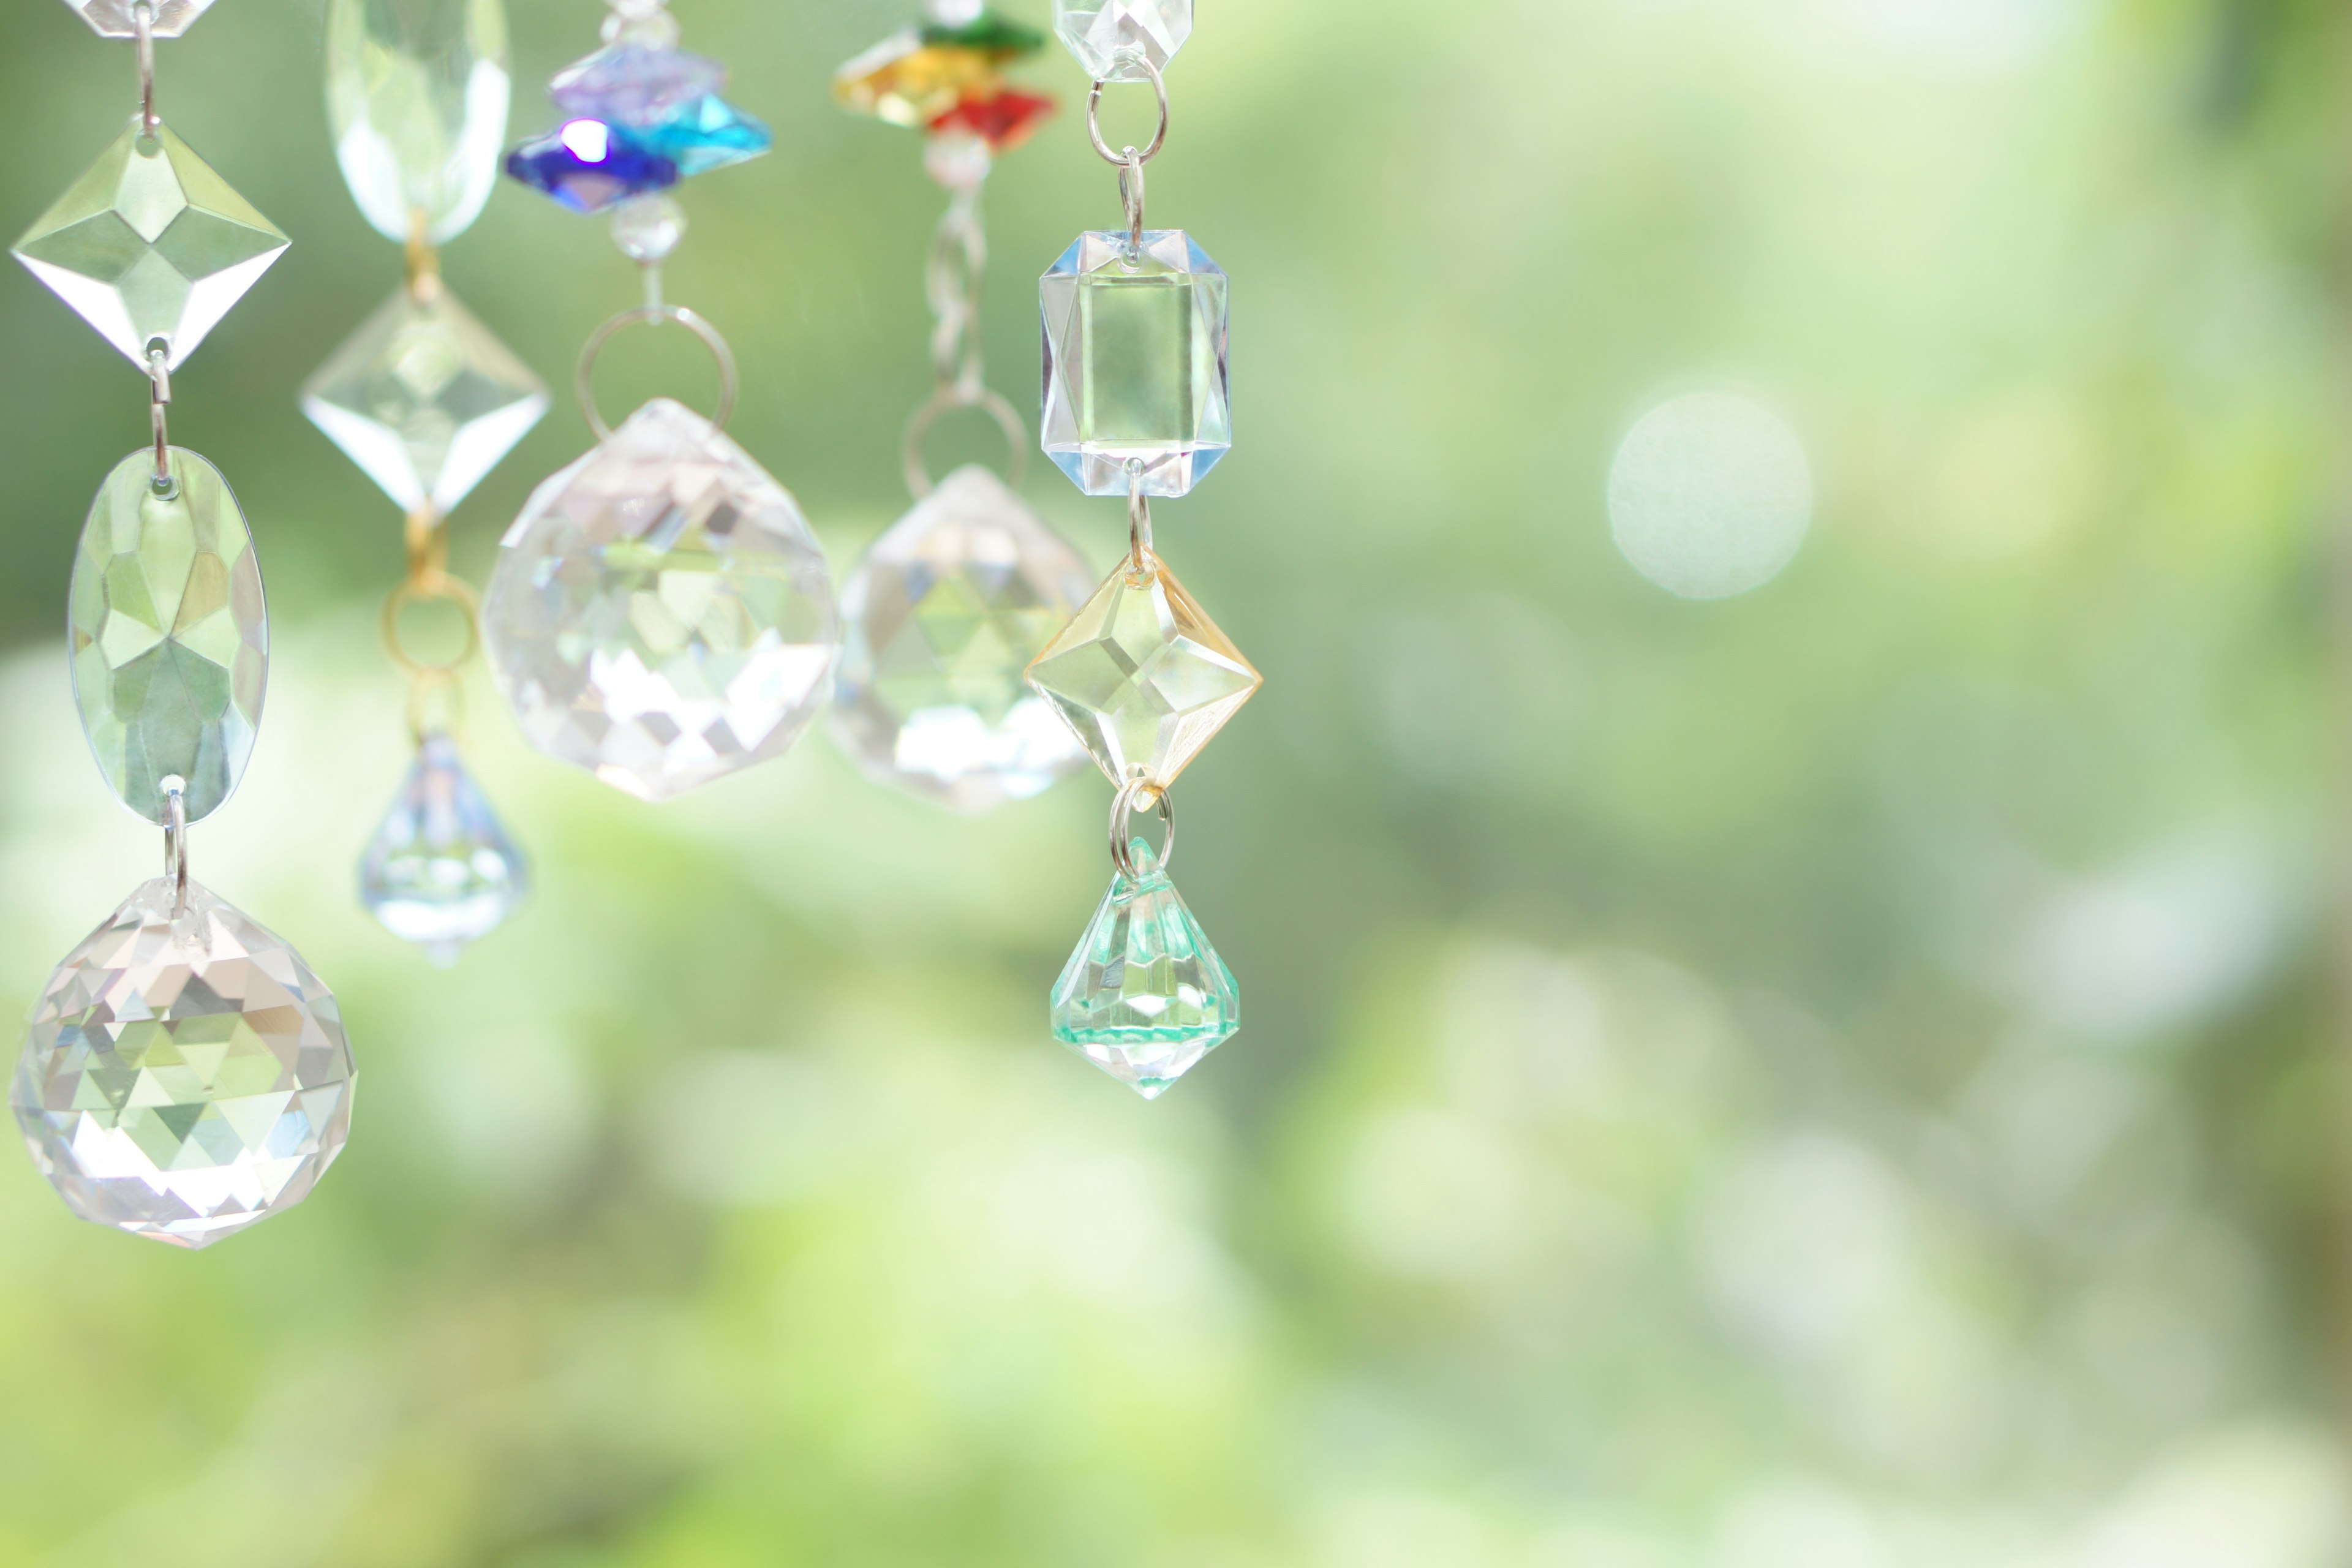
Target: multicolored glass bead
x=643, y=118
x=948, y=78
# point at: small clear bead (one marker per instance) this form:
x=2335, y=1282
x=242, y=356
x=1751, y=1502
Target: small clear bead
x=958, y=159
x=648, y=229
x=653, y=30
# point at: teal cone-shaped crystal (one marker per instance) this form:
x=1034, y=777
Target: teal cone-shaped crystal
x=441, y=871
x=1145, y=996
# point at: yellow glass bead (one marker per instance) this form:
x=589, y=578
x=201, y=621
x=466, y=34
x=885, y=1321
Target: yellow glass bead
x=907, y=82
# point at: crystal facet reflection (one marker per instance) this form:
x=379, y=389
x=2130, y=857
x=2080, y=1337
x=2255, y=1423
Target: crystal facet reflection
x=1135, y=363
x=185, y=1074
x=660, y=613
x=1108, y=35
x=424, y=399
x=168, y=634
x=942, y=619
x=151, y=245
x=440, y=871
x=1145, y=996
x=1142, y=676
x=417, y=94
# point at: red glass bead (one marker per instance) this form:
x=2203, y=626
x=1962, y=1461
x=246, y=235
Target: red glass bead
x=1003, y=122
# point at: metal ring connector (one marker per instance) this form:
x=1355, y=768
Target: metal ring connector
x=439, y=588
x=583, y=383
x=143, y=20
x=175, y=839
x=1132, y=795
x=946, y=400
x=1094, y=115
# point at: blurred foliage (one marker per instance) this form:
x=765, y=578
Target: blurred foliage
x=1841, y=1078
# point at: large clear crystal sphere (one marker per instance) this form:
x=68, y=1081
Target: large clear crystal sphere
x=660, y=613
x=185, y=1074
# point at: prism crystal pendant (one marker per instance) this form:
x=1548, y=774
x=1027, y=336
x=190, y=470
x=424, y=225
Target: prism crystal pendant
x=660, y=613
x=416, y=97
x=424, y=399
x=1135, y=363
x=168, y=635
x=441, y=871
x=119, y=18
x=1143, y=676
x=1144, y=996
x=150, y=246
x=185, y=1074
x=942, y=619
x=1109, y=36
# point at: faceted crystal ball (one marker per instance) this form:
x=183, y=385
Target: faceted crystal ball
x=660, y=613
x=417, y=96
x=1108, y=35
x=1135, y=364
x=942, y=619
x=441, y=871
x=186, y=1073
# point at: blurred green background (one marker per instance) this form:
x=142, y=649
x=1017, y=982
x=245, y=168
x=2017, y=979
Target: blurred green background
x=1844, y=1075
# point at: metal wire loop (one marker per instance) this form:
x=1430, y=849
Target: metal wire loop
x=175, y=839
x=583, y=380
x=1093, y=114
x=159, y=398
x=1133, y=795
x=946, y=400
x=1130, y=198
x=1139, y=520
x=142, y=17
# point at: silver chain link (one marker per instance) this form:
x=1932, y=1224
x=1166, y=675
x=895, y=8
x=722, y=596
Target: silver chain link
x=952, y=283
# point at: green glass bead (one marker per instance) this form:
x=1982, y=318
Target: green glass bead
x=168, y=635
x=1145, y=996
x=989, y=33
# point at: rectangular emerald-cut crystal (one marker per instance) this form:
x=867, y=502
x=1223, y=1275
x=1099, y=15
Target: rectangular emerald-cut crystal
x=1135, y=363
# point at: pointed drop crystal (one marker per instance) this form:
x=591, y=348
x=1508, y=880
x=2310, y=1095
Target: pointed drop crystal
x=424, y=399
x=168, y=635
x=150, y=246
x=119, y=18
x=1109, y=36
x=1143, y=676
x=441, y=872
x=940, y=622
x=1135, y=363
x=660, y=613
x=1145, y=996
x=185, y=1074
x=417, y=96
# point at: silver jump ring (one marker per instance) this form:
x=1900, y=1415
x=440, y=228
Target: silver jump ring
x=1093, y=114
x=946, y=400
x=1122, y=820
x=142, y=22
x=1131, y=197
x=175, y=843
x=583, y=380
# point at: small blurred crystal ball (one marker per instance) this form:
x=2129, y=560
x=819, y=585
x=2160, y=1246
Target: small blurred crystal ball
x=1710, y=496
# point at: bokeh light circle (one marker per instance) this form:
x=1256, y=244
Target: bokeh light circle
x=1710, y=496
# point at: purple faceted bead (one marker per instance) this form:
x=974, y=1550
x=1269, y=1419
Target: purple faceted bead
x=587, y=165
x=629, y=84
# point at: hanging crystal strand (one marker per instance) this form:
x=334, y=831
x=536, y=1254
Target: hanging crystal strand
x=426, y=403
x=947, y=608
x=586, y=618
x=185, y=1073
x=1135, y=405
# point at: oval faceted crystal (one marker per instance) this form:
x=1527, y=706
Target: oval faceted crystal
x=416, y=95
x=184, y=1073
x=660, y=613
x=942, y=619
x=169, y=635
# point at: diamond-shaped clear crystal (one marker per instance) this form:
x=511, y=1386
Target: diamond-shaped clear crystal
x=168, y=635
x=119, y=18
x=424, y=399
x=416, y=95
x=1135, y=363
x=660, y=613
x=150, y=246
x=185, y=1074
x=440, y=871
x=1144, y=996
x=1108, y=35
x=1142, y=676
x=940, y=620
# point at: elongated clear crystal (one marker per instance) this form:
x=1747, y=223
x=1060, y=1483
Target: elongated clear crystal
x=424, y=399
x=942, y=619
x=1135, y=363
x=440, y=871
x=1144, y=996
x=417, y=96
x=660, y=613
x=168, y=635
x=184, y=1073
x=149, y=246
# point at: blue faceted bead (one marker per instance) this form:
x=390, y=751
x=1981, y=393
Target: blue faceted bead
x=632, y=85
x=709, y=133
x=588, y=165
